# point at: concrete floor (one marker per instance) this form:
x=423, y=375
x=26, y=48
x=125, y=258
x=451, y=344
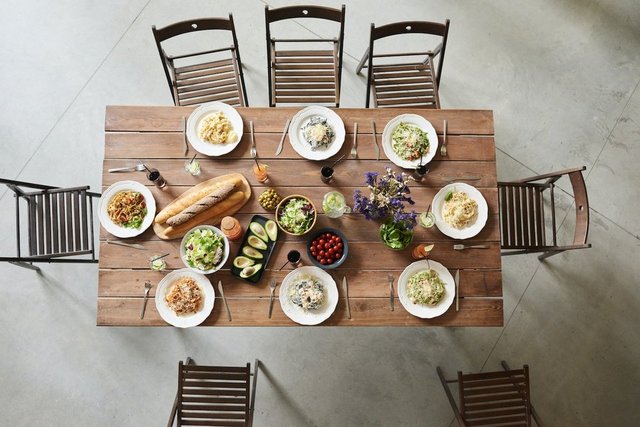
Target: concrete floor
x=562, y=79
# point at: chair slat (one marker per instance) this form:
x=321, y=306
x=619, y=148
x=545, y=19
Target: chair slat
x=421, y=100
x=239, y=400
x=281, y=53
x=204, y=368
x=186, y=78
x=215, y=415
x=205, y=86
x=304, y=72
x=207, y=79
x=206, y=392
x=76, y=220
x=279, y=67
x=301, y=92
x=212, y=408
x=69, y=235
x=217, y=423
x=299, y=79
x=406, y=94
x=517, y=214
x=395, y=82
x=219, y=90
x=304, y=100
x=540, y=229
x=513, y=240
x=194, y=101
x=522, y=410
x=213, y=384
x=203, y=66
x=504, y=216
x=40, y=225
x=216, y=375
x=381, y=77
x=477, y=391
x=55, y=221
x=304, y=60
x=48, y=229
x=401, y=87
x=484, y=406
x=33, y=242
x=280, y=86
x=525, y=216
x=498, y=421
x=494, y=397
x=209, y=98
x=491, y=375
x=493, y=382
x=85, y=222
x=400, y=67
x=63, y=221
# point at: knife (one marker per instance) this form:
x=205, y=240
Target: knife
x=391, y=291
x=345, y=287
x=224, y=299
x=272, y=286
x=375, y=139
x=284, y=134
x=457, y=280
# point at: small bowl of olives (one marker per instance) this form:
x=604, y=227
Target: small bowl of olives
x=269, y=199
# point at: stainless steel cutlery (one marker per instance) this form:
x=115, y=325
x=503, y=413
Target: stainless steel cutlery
x=272, y=288
x=460, y=246
x=375, y=139
x=137, y=168
x=147, y=288
x=345, y=287
x=457, y=280
x=129, y=245
x=390, y=278
x=284, y=134
x=354, y=148
x=224, y=299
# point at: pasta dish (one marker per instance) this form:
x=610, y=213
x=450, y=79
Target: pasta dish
x=459, y=210
x=127, y=209
x=317, y=132
x=425, y=287
x=184, y=296
x=306, y=292
x=216, y=129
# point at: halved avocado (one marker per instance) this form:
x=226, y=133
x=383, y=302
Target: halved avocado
x=272, y=229
x=258, y=230
x=251, y=252
x=242, y=262
x=250, y=271
x=256, y=242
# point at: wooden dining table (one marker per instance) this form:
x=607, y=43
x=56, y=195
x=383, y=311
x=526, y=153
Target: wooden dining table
x=155, y=136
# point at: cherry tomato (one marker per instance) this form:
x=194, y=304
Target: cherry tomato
x=339, y=245
x=322, y=253
x=338, y=255
x=323, y=261
x=319, y=247
x=338, y=239
x=327, y=245
x=318, y=258
x=330, y=251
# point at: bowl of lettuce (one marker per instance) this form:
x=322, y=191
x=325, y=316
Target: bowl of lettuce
x=395, y=236
x=204, y=249
x=296, y=215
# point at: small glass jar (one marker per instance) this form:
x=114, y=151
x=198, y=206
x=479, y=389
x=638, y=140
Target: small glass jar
x=154, y=176
x=421, y=251
x=231, y=228
x=427, y=219
x=260, y=172
x=156, y=264
x=192, y=167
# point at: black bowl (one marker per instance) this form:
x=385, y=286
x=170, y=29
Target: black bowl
x=345, y=248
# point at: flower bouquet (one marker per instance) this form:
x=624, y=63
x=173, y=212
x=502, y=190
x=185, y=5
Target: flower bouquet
x=388, y=195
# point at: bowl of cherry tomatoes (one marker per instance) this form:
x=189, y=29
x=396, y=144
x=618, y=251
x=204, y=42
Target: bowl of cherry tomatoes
x=327, y=248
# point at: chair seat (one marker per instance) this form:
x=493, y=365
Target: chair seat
x=210, y=81
x=405, y=85
x=305, y=76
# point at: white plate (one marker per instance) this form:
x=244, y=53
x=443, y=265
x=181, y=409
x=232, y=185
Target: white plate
x=193, y=319
x=112, y=227
x=471, y=230
x=302, y=147
x=225, y=248
x=310, y=317
x=196, y=117
x=426, y=311
x=423, y=124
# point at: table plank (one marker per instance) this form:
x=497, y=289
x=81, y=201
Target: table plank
x=170, y=145
x=253, y=312
x=363, y=284
x=125, y=118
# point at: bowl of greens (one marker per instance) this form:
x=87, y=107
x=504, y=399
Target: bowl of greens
x=296, y=215
x=395, y=236
x=204, y=249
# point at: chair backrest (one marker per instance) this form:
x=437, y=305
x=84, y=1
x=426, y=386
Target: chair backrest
x=189, y=82
x=59, y=220
x=213, y=395
x=304, y=11
x=522, y=213
x=495, y=398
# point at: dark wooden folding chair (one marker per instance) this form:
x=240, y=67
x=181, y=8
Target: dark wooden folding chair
x=404, y=84
x=522, y=214
x=499, y=398
x=59, y=224
x=214, y=395
x=304, y=76
x=211, y=75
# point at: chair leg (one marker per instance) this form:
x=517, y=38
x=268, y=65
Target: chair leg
x=252, y=402
x=362, y=61
x=452, y=401
x=548, y=254
x=25, y=265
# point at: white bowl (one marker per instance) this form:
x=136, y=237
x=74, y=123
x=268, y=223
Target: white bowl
x=112, y=227
x=208, y=294
x=225, y=255
x=199, y=114
x=422, y=123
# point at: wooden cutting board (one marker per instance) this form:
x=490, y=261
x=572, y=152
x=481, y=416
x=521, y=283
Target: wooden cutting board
x=243, y=187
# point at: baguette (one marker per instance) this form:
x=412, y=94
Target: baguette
x=218, y=195
x=234, y=199
x=190, y=197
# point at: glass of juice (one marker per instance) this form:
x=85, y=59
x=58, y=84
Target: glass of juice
x=260, y=172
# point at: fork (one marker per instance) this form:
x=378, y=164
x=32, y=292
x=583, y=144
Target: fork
x=460, y=246
x=354, y=149
x=139, y=167
x=184, y=135
x=443, y=148
x=254, y=152
x=272, y=288
x=147, y=288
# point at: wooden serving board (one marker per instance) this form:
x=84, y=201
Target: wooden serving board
x=244, y=187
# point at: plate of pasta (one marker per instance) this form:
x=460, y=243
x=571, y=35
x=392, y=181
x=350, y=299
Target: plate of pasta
x=308, y=295
x=184, y=298
x=409, y=139
x=426, y=289
x=127, y=209
x=214, y=129
x=316, y=132
x=460, y=210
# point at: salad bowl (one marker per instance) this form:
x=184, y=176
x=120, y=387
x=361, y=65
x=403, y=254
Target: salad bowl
x=198, y=247
x=296, y=215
